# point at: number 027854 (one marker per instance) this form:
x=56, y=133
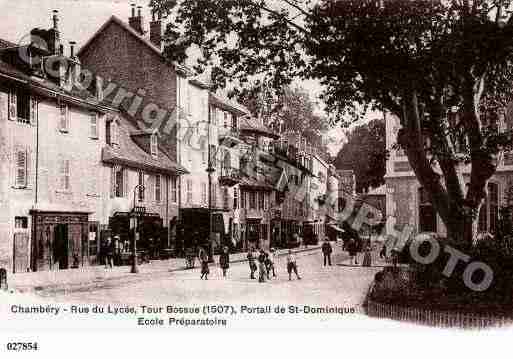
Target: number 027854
x=22, y=346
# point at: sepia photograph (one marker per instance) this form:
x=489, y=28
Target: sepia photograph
x=202, y=166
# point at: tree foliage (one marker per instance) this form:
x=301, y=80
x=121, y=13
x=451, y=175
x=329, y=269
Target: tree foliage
x=365, y=153
x=443, y=67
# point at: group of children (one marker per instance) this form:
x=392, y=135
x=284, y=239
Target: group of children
x=266, y=261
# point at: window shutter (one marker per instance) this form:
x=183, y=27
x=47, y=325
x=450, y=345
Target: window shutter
x=33, y=111
x=21, y=168
x=113, y=182
x=63, y=119
x=12, y=105
x=125, y=182
x=67, y=174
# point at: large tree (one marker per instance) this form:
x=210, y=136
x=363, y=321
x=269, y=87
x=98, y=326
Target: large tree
x=416, y=59
x=365, y=153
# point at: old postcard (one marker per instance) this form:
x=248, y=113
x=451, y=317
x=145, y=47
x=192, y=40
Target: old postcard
x=201, y=166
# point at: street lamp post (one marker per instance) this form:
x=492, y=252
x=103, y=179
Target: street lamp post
x=135, y=218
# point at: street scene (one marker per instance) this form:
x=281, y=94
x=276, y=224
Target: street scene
x=346, y=156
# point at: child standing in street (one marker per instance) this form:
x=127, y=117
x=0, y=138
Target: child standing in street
x=271, y=257
x=292, y=265
x=261, y=266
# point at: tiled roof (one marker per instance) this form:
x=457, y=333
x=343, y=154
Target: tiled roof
x=227, y=104
x=251, y=124
x=142, y=39
x=128, y=153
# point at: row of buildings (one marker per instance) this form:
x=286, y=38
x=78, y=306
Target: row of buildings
x=87, y=137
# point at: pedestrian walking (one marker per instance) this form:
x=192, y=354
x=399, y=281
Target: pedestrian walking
x=367, y=259
x=224, y=260
x=292, y=265
x=261, y=266
x=203, y=257
x=271, y=259
x=251, y=262
x=326, y=251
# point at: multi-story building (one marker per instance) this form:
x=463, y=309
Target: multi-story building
x=69, y=160
x=408, y=204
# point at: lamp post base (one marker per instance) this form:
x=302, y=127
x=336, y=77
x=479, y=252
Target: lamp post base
x=135, y=268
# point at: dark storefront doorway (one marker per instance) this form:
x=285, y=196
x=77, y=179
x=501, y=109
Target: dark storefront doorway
x=61, y=246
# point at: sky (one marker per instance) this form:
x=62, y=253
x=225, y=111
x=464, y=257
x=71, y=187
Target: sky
x=80, y=19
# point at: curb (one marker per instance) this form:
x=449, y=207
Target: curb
x=128, y=278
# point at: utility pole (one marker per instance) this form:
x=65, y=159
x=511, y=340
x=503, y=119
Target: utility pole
x=210, y=169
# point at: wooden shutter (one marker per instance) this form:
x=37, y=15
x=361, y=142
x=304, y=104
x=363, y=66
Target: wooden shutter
x=125, y=182
x=113, y=182
x=21, y=168
x=33, y=111
x=63, y=117
x=13, y=111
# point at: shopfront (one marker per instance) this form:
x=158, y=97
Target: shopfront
x=59, y=240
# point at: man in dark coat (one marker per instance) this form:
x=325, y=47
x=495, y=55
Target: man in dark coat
x=326, y=251
x=251, y=262
x=224, y=260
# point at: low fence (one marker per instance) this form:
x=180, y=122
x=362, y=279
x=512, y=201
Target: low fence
x=435, y=318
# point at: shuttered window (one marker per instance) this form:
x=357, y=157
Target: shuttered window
x=119, y=180
x=21, y=169
x=158, y=189
x=173, y=189
x=65, y=175
x=94, y=125
x=141, y=188
x=64, y=118
x=203, y=193
x=154, y=144
x=189, y=190
x=13, y=108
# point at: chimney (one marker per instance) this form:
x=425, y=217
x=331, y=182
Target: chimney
x=136, y=22
x=72, y=49
x=54, y=35
x=156, y=30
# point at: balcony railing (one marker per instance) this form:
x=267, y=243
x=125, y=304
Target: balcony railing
x=229, y=176
x=229, y=137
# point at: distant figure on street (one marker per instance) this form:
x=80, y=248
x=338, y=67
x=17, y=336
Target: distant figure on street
x=367, y=259
x=261, y=266
x=251, y=262
x=292, y=265
x=326, y=251
x=270, y=260
x=108, y=252
x=224, y=260
x=203, y=257
x=352, y=249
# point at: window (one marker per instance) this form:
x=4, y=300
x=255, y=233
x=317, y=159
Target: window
x=173, y=189
x=226, y=119
x=189, y=190
x=111, y=132
x=427, y=213
x=203, y=192
x=23, y=106
x=94, y=125
x=20, y=222
x=154, y=145
x=235, y=198
x=226, y=199
x=203, y=149
x=252, y=200
x=158, y=190
x=243, y=199
x=261, y=200
x=119, y=182
x=214, y=195
x=64, y=118
x=489, y=212
x=108, y=134
x=65, y=175
x=21, y=169
x=140, y=189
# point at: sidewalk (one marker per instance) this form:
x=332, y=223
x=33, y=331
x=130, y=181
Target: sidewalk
x=89, y=278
